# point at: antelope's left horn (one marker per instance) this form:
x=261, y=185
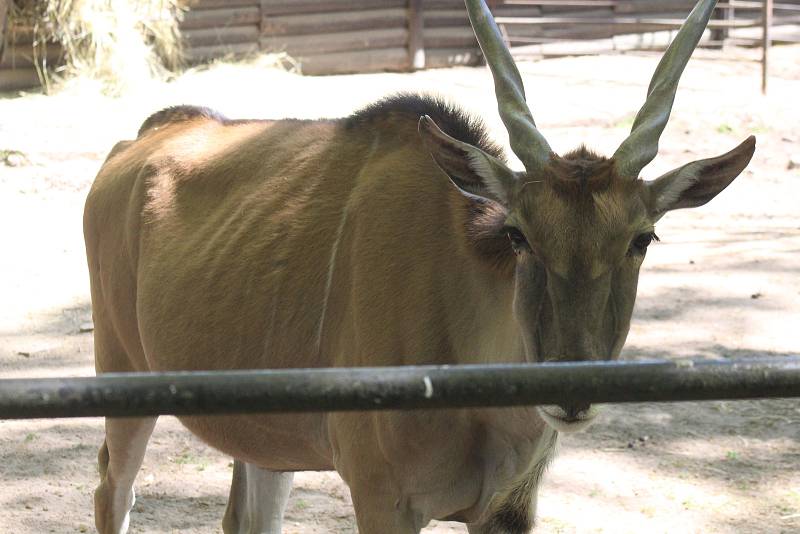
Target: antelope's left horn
x=641, y=146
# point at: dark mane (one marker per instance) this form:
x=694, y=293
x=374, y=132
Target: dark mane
x=483, y=219
x=453, y=120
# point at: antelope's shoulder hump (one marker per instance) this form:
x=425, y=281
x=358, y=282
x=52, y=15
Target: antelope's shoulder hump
x=175, y=114
x=451, y=118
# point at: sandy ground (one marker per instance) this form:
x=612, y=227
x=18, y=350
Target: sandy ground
x=723, y=283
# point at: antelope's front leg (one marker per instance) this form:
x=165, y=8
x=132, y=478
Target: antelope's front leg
x=257, y=500
x=379, y=513
x=374, y=489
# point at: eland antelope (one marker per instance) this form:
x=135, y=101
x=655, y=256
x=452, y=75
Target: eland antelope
x=397, y=235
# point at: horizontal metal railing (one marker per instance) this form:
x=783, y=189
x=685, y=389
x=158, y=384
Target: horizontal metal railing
x=407, y=387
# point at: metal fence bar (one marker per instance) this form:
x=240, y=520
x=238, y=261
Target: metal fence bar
x=384, y=388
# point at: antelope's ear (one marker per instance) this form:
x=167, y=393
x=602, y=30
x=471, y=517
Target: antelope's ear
x=697, y=182
x=473, y=171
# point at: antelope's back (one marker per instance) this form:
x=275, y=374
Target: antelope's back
x=202, y=231
x=217, y=244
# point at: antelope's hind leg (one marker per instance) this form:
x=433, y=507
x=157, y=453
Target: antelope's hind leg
x=257, y=500
x=119, y=460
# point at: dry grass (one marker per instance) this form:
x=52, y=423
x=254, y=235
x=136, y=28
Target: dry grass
x=117, y=42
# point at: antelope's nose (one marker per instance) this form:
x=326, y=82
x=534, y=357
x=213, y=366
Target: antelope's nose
x=574, y=410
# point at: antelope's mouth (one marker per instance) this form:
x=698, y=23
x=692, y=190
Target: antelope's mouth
x=571, y=419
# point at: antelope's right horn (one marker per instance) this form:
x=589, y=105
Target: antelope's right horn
x=527, y=142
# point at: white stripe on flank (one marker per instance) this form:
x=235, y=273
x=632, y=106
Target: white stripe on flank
x=335, y=248
x=329, y=281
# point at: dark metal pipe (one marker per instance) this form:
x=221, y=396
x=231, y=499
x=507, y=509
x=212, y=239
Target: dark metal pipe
x=384, y=388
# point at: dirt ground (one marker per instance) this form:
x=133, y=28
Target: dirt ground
x=723, y=283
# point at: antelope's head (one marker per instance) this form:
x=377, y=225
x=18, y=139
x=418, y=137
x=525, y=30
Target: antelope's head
x=580, y=224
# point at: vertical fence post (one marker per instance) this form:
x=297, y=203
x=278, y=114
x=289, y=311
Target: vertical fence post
x=262, y=25
x=416, y=43
x=718, y=35
x=766, y=23
x=3, y=21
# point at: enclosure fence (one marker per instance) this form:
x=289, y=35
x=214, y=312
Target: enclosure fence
x=398, y=388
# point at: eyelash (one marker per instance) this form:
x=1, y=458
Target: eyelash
x=518, y=242
x=641, y=242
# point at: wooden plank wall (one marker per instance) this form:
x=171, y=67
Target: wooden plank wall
x=20, y=57
x=338, y=36
x=213, y=29
x=363, y=36
x=598, y=25
x=3, y=23
x=341, y=36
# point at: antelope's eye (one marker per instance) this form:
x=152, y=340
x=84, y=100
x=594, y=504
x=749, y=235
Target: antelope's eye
x=640, y=243
x=518, y=242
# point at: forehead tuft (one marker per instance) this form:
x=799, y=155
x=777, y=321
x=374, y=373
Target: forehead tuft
x=579, y=173
x=583, y=187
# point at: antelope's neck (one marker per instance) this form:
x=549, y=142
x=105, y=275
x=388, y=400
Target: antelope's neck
x=484, y=329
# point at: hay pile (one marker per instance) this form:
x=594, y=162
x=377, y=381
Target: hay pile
x=121, y=43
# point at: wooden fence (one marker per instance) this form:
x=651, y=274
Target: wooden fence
x=333, y=36
x=343, y=36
